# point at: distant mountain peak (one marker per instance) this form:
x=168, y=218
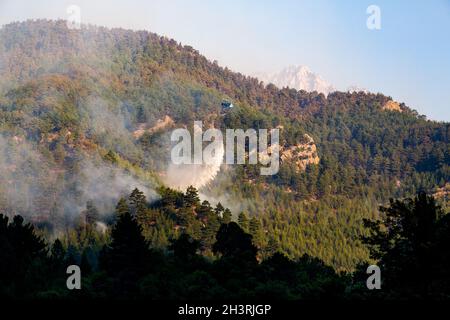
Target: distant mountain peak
x=298, y=77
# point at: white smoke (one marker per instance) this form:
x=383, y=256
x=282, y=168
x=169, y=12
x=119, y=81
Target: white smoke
x=197, y=175
x=105, y=184
x=33, y=187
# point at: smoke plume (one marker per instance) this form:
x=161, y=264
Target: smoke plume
x=196, y=175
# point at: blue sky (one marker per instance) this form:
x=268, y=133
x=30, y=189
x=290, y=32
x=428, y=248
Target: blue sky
x=408, y=58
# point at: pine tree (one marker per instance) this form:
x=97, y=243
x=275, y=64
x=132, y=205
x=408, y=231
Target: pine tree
x=232, y=242
x=122, y=207
x=210, y=231
x=255, y=230
x=23, y=256
x=57, y=253
x=137, y=202
x=219, y=209
x=226, y=216
x=243, y=221
x=411, y=241
x=272, y=247
x=204, y=210
x=128, y=252
x=191, y=198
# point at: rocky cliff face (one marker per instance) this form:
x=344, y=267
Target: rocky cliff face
x=142, y=128
x=392, y=106
x=302, y=154
x=443, y=192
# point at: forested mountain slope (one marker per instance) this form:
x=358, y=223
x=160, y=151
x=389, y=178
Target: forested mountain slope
x=72, y=101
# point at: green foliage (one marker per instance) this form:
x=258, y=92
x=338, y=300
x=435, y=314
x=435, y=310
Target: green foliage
x=243, y=221
x=23, y=257
x=411, y=242
x=70, y=97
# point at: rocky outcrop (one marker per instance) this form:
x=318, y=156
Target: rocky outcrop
x=302, y=154
x=160, y=124
x=392, y=106
x=443, y=192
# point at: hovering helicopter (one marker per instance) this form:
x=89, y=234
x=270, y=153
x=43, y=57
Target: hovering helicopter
x=226, y=105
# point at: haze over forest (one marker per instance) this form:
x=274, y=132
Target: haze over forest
x=85, y=123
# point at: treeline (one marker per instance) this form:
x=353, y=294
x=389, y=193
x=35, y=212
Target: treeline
x=410, y=245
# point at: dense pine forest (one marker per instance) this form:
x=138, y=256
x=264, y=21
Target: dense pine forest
x=214, y=258
x=85, y=121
